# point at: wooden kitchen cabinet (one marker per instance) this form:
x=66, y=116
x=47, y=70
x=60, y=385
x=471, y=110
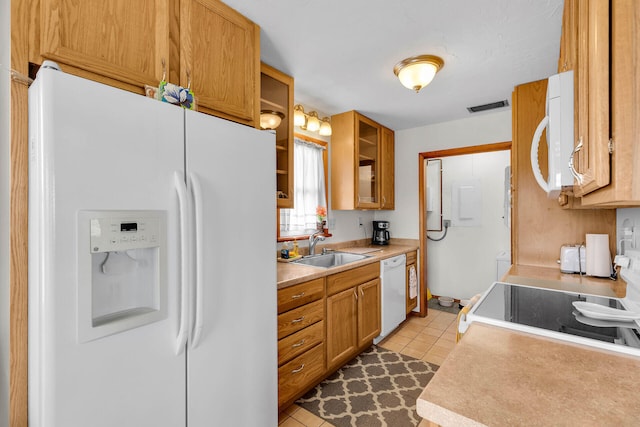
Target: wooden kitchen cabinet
x=276, y=94
x=120, y=39
x=204, y=44
x=220, y=57
x=387, y=173
x=412, y=259
x=301, y=338
x=353, y=313
x=362, y=163
x=600, y=43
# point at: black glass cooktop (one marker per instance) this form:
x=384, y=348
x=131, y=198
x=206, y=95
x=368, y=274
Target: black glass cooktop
x=554, y=311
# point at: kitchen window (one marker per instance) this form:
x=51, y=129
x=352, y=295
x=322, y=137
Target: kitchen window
x=310, y=188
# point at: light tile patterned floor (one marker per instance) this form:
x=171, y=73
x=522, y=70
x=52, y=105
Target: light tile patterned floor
x=428, y=338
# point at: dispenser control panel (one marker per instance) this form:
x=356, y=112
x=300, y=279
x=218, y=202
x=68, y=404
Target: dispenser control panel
x=121, y=233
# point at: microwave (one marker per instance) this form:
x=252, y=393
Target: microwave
x=558, y=121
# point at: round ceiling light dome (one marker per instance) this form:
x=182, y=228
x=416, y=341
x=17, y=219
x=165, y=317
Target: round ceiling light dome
x=418, y=71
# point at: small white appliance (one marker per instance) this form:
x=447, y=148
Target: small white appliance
x=573, y=259
x=393, y=293
x=142, y=311
x=558, y=121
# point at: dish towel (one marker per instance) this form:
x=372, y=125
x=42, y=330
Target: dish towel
x=413, y=282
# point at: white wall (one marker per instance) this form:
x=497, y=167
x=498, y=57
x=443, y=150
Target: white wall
x=463, y=263
x=5, y=167
x=487, y=128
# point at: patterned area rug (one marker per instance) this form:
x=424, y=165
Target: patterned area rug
x=377, y=388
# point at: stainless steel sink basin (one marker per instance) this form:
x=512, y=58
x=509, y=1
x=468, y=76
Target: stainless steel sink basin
x=332, y=259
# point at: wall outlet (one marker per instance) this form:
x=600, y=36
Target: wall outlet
x=360, y=224
x=446, y=223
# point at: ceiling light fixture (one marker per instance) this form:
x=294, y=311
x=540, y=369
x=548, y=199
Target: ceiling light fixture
x=310, y=122
x=270, y=119
x=418, y=71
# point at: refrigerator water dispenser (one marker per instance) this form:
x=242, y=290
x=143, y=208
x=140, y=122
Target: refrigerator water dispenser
x=121, y=271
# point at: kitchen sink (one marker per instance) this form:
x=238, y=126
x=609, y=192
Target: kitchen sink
x=332, y=259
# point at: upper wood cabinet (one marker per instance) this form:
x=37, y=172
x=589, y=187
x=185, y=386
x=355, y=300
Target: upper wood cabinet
x=592, y=87
x=204, y=44
x=387, y=172
x=361, y=163
x=276, y=94
x=220, y=56
x=121, y=39
x=600, y=42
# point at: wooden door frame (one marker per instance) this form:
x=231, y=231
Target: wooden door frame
x=476, y=149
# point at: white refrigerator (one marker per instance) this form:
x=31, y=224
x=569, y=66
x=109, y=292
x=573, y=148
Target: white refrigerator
x=152, y=271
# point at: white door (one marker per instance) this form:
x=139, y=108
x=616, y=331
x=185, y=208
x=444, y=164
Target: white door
x=94, y=147
x=232, y=366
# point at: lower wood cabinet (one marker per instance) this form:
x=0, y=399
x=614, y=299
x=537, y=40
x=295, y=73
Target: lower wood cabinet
x=318, y=334
x=301, y=336
x=353, y=312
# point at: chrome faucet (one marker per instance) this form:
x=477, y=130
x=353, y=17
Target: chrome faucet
x=313, y=240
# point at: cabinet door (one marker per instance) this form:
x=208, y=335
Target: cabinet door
x=341, y=327
x=569, y=37
x=120, y=39
x=276, y=94
x=220, y=59
x=592, y=88
x=387, y=158
x=367, y=163
x=369, y=322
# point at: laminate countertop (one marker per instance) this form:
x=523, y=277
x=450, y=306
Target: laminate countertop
x=499, y=377
x=290, y=273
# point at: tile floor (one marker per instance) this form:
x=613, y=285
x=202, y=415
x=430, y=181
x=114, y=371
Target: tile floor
x=428, y=338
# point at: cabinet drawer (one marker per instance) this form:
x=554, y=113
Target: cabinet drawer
x=301, y=341
x=302, y=371
x=297, y=295
x=299, y=318
x=411, y=257
x=347, y=279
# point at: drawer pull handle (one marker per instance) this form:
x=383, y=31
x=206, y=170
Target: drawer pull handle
x=300, y=295
x=298, y=344
x=295, y=371
x=298, y=320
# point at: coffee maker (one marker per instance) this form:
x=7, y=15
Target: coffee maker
x=380, y=234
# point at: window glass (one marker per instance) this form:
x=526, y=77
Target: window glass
x=310, y=194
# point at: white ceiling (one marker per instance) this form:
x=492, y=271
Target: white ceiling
x=341, y=53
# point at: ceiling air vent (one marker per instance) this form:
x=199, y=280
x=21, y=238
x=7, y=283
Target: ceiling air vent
x=490, y=106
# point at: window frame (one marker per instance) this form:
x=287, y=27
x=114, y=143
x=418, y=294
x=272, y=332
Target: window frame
x=325, y=161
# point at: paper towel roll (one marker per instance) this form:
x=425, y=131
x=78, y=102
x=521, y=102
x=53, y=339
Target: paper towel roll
x=598, y=255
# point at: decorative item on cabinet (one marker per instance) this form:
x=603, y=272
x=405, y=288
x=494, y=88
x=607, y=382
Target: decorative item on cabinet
x=276, y=94
x=362, y=163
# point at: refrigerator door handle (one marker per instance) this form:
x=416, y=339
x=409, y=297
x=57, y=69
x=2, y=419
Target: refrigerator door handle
x=199, y=300
x=183, y=203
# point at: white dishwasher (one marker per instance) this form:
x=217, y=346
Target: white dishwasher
x=393, y=294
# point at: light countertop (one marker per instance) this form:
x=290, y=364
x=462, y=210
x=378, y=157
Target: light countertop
x=498, y=377
x=291, y=273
